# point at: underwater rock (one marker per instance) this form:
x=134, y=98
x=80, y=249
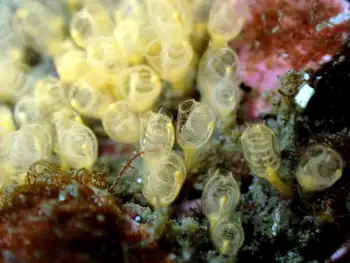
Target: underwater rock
x=327, y=111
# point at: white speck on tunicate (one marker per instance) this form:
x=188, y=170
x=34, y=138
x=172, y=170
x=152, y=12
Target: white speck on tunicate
x=139, y=180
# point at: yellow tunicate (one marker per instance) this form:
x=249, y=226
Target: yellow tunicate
x=225, y=96
x=49, y=96
x=133, y=29
x=157, y=137
x=91, y=21
x=153, y=55
x=59, y=120
x=20, y=149
x=11, y=76
x=220, y=196
x=105, y=52
x=121, y=123
x=172, y=20
x=218, y=64
x=65, y=114
x=7, y=123
x=88, y=100
x=76, y=145
x=127, y=34
x=140, y=86
x=26, y=111
x=177, y=64
x=319, y=168
x=165, y=180
x=226, y=20
x=71, y=63
x=261, y=151
x=195, y=125
x=227, y=235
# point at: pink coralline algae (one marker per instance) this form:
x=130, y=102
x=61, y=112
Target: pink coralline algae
x=288, y=34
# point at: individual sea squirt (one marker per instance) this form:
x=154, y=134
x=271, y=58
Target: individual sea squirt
x=261, y=150
x=319, y=168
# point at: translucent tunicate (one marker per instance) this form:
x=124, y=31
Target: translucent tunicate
x=226, y=20
x=227, y=235
x=140, y=86
x=195, y=125
x=121, y=123
x=165, y=180
x=220, y=196
x=319, y=168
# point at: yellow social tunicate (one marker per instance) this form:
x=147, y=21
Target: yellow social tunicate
x=40, y=25
x=177, y=62
x=121, y=123
x=65, y=114
x=220, y=196
x=7, y=123
x=91, y=21
x=77, y=145
x=225, y=96
x=217, y=64
x=140, y=86
x=44, y=134
x=165, y=180
x=88, y=100
x=172, y=20
x=153, y=55
x=227, y=235
x=319, y=168
x=195, y=125
x=49, y=96
x=226, y=20
x=127, y=34
x=71, y=63
x=134, y=30
x=11, y=76
x=106, y=53
x=261, y=150
x=157, y=137
x=59, y=120
x=26, y=111
x=20, y=149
